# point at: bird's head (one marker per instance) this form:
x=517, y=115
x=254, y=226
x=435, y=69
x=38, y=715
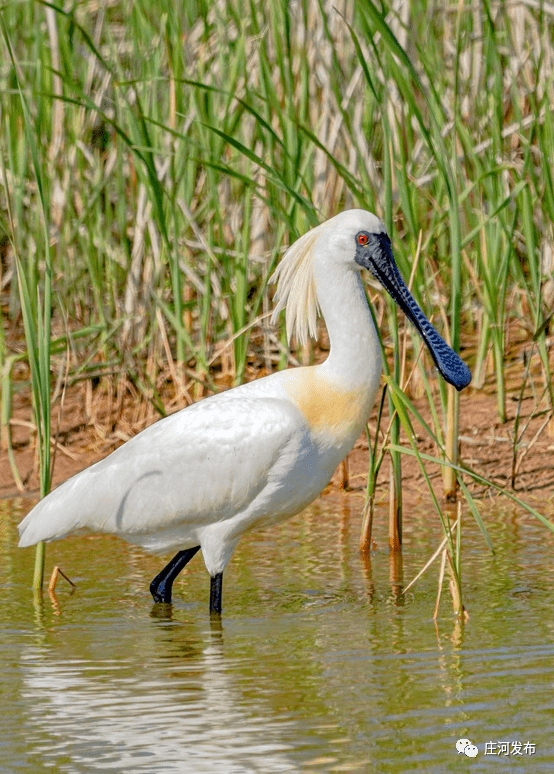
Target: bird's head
x=354, y=240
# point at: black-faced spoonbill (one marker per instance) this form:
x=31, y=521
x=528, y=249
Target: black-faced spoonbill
x=261, y=452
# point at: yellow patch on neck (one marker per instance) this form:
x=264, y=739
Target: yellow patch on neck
x=325, y=404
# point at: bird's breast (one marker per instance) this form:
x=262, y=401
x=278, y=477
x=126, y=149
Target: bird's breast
x=329, y=408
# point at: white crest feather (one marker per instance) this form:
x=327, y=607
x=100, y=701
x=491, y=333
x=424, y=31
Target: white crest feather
x=296, y=288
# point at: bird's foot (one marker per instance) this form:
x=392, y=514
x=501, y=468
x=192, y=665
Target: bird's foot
x=160, y=593
x=216, y=584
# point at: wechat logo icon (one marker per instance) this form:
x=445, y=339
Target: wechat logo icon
x=465, y=746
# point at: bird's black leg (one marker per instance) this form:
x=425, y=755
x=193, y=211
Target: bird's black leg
x=160, y=588
x=216, y=584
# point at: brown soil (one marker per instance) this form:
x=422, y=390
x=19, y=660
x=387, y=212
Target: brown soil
x=92, y=422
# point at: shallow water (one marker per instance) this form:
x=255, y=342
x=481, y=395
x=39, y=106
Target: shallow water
x=318, y=665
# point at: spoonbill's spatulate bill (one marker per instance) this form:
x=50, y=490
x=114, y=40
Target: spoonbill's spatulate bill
x=261, y=452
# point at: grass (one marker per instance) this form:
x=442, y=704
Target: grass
x=36, y=308
x=157, y=157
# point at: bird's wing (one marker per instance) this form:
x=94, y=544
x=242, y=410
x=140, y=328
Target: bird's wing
x=203, y=464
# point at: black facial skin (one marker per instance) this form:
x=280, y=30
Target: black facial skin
x=373, y=252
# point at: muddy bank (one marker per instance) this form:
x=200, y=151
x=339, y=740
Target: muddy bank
x=91, y=423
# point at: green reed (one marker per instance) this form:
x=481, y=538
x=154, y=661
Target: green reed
x=34, y=284
x=158, y=157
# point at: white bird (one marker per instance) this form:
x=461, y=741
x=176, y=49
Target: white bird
x=261, y=452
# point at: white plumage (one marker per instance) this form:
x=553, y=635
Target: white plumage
x=261, y=452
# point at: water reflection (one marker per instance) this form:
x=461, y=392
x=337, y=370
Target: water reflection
x=320, y=663
x=176, y=708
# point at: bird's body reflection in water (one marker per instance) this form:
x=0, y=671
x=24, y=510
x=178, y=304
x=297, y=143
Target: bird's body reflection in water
x=181, y=712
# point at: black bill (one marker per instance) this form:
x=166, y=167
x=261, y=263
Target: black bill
x=376, y=255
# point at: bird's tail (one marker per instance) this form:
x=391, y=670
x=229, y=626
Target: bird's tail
x=52, y=518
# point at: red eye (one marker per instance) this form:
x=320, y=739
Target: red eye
x=362, y=238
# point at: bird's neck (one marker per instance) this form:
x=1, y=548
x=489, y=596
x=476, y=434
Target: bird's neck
x=355, y=352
